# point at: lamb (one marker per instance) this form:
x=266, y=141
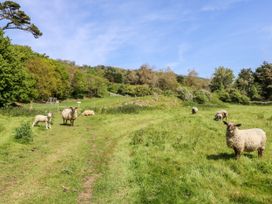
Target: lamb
x=69, y=114
x=43, y=118
x=194, y=110
x=247, y=140
x=220, y=115
x=88, y=113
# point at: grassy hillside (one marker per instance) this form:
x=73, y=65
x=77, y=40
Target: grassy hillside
x=134, y=150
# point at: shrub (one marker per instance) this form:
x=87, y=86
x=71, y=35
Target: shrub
x=184, y=94
x=23, y=134
x=135, y=90
x=201, y=96
x=223, y=95
x=237, y=97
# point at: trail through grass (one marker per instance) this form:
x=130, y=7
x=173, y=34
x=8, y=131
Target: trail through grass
x=161, y=154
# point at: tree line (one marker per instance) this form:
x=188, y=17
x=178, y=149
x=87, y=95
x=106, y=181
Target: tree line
x=29, y=76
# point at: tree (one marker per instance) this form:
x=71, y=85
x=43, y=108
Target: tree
x=15, y=18
x=147, y=76
x=79, y=84
x=192, y=79
x=15, y=82
x=222, y=79
x=246, y=84
x=263, y=76
x=167, y=80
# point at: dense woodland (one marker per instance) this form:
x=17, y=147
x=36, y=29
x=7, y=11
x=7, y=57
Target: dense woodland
x=29, y=76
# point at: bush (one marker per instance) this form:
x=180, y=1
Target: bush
x=201, y=96
x=233, y=96
x=184, y=94
x=223, y=95
x=135, y=90
x=23, y=134
x=237, y=97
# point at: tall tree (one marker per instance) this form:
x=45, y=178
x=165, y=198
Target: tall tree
x=263, y=75
x=245, y=82
x=222, y=79
x=15, y=82
x=15, y=18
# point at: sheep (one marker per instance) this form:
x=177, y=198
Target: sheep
x=247, y=140
x=194, y=110
x=43, y=118
x=220, y=115
x=88, y=113
x=69, y=114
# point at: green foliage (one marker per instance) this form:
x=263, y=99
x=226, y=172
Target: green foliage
x=222, y=79
x=167, y=80
x=263, y=77
x=136, y=90
x=16, y=18
x=232, y=96
x=97, y=86
x=201, y=96
x=184, y=93
x=23, y=134
x=15, y=83
x=79, y=85
x=237, y=97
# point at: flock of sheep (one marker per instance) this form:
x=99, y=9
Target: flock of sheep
x=68, y=114
x=247, y=140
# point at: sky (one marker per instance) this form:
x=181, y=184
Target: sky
x=180, y=34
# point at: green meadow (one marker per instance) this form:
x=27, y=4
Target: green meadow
x=134, y=150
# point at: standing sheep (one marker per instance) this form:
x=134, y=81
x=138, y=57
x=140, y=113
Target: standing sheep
x=247, y=140
x=88, y=113
x=43, y=118
x=194, y=110
x=69, y=114
x=221, y=115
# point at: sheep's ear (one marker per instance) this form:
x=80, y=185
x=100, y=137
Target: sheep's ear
x=238, y=125
x=75, y=108
x=71, y=107
x=226, y=123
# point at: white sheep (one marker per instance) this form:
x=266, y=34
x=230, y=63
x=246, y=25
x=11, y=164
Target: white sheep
x=69, y=114
x=194, y=110
x=88, y=113
x=220, y=115
x=43, y=118
x=247, y=140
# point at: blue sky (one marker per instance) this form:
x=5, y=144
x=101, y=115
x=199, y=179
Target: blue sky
x=181, y=34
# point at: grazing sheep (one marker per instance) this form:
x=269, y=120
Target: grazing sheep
x=247, y=140
x=220, y=115
x=194, y=110
x=88, y=113
x=43, y=118
x=69, y=114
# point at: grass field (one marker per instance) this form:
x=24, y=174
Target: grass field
x=151, y=152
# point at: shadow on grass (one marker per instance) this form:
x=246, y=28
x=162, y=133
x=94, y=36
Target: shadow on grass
x=65, y=124
x=226, y=156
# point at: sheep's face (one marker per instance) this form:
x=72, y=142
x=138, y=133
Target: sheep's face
x=218, y=116
x=74, y=111
x=231, y=126
x=49, y=115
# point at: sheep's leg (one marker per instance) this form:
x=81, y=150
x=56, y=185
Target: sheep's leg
x=260, y=152
x=34, y=123
x=46, y=125
x=72, y=122
x=237, y=153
